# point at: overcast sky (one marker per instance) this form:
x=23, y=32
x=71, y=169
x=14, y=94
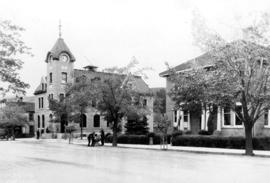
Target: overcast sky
x=109, y=33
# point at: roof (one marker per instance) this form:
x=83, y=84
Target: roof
x=60, y=47
x=200, y=61
x=138, y=83
x=40, y=90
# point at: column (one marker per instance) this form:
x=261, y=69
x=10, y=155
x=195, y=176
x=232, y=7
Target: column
x=182, y=120
x=219, y=119
x=177, y=119
x=207, y=113
x=203, y=120
x=189, y=128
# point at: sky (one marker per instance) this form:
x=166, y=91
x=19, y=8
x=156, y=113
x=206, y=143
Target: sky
x=109, y=33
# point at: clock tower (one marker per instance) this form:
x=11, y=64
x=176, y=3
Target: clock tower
x=60, y=65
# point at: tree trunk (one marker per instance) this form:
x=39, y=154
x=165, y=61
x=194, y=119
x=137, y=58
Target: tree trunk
x=249, y=145
x=81, y=132
x=114, y=141
x=13, y=133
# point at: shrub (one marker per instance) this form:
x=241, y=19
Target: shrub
x=204, y=132
x=151, y=134
x=259, y=143
x=176, y=133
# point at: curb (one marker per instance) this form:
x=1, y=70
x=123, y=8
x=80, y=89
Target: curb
x=183, y=150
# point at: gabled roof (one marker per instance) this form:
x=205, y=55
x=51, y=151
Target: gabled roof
x=200, y=61
x=60, y=47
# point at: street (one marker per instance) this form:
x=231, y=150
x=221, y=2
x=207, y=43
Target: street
x=33, y=161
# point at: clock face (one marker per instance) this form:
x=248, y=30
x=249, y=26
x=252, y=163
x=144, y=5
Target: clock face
x=64, y=58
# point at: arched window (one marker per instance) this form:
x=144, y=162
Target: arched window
x=38, y=121
x=97, y=120
x=43, y=121
x=83, y=121
x=51, y=117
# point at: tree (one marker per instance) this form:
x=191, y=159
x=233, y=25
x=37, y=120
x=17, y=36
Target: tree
x=116, y=97
x=11, y=47
x=136, y=125
x=80, y=97
x=60, y=108
x=239, y=72
x=163, y=125
x=13, y=116
x=160, y=101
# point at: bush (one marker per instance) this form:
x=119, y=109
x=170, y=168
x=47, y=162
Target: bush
x=176, y=133
x=129, y=139
x=259, y=143
x=204, y=132
x=151, y=134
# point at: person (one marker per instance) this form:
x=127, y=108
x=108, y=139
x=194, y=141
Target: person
x=102, y=137
x=93, y=139
x=38, y=134
x=90, y=138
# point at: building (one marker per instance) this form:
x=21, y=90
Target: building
x=60, y=71
x=225, y=122
x=28, y=106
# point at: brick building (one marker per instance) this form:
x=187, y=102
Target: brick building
x=60, y=71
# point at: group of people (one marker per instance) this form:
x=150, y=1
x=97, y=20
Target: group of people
x=94, y=138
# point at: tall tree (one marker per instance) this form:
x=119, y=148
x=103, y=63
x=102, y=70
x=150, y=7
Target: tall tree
x=239, y=73
x=11, y=47
x=116, y=96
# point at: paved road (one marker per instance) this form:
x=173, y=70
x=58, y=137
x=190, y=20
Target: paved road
x=30, y=161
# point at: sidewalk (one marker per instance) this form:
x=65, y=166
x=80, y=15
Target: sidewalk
x=203, y=150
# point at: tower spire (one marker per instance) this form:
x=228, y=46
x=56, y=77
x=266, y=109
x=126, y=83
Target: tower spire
x=60, y=26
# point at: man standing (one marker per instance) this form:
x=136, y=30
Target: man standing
x=90, y=138
x=102, y=137
x=38, y=134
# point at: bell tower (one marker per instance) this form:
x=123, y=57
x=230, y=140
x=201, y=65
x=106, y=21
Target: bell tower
x=60, y=64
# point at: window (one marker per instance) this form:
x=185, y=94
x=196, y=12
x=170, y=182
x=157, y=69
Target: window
x=50, y=96
x=61, y=97
x=51, y=117
x=108, y=123
x=43, y=121
x=97, y=120
x=83, y=121
x=185, y=116
x=51, y=78
x=227, y=116
x=144, y=102
x=175, y=115
x=64, y=77
x=266, y=113
x=38, y=121
x=94, y=103
x=31, y=117
x=41, y=102
x=238, y=122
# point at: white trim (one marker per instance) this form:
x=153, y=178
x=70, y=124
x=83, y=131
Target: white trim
x=232, y=118
x=268, y=125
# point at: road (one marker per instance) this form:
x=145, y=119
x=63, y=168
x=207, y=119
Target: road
x=32, y=161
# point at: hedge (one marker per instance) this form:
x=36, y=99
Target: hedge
x=135, y=139
x=259, y=143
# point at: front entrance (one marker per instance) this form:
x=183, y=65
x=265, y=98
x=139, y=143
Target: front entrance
x=64, y=123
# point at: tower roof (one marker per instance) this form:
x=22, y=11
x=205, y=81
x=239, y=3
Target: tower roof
x=60, y=47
